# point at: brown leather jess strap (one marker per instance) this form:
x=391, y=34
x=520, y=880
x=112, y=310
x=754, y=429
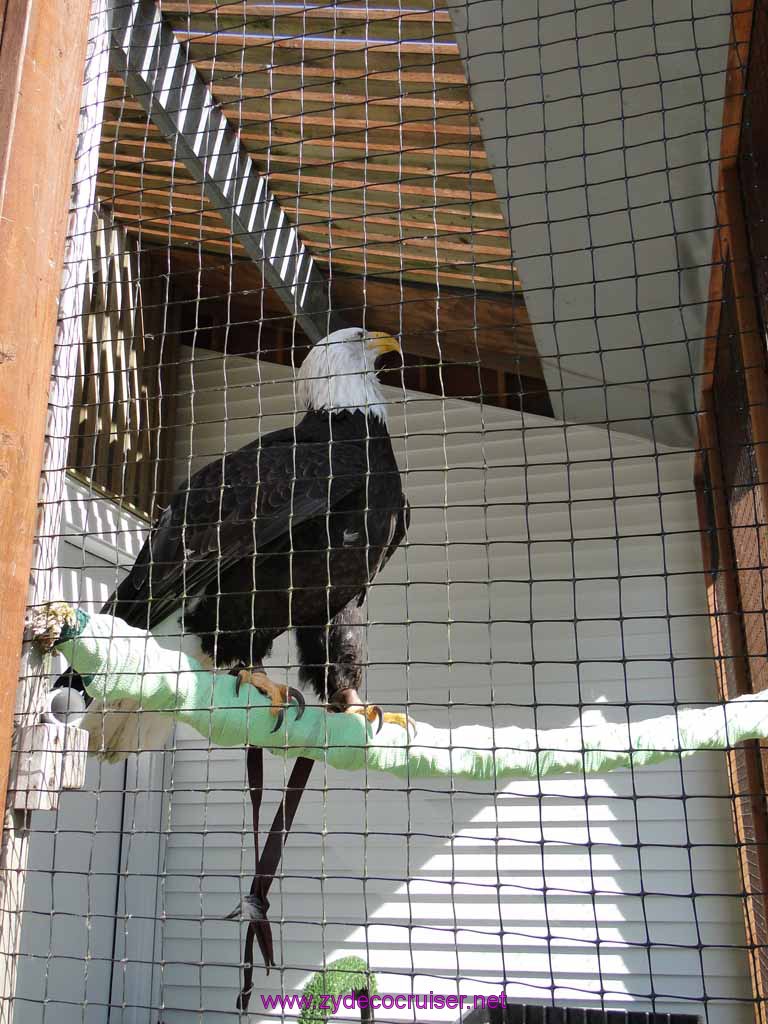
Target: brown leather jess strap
x=268, y=863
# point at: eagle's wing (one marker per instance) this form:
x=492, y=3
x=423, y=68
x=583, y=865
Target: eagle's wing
x=242, y=503
x=399, y=523
x=402, y=522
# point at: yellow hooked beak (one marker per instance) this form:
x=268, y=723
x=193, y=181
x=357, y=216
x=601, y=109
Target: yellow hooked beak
x=379, y=343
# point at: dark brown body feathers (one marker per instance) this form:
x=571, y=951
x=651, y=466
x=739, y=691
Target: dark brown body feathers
x=286, y=532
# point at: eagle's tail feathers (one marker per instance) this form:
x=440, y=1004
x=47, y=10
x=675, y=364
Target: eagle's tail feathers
x=123, y=728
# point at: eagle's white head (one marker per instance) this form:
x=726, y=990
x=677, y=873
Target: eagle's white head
x=339, y=372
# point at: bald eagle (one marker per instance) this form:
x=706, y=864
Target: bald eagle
x=285, y=533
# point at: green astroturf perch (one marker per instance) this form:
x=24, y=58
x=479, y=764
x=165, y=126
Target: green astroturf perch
x=127, y=669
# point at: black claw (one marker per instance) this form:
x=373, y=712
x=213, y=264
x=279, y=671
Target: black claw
x=298, y=696
x=292, y=694
x=239, y=680
x=379, y=719
x=278, y=720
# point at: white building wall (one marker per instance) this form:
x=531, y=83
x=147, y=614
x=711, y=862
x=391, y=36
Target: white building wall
x=551, y=572
x=71, y=895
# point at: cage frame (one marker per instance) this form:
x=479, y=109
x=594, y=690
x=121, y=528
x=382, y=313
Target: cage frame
x=732, y=247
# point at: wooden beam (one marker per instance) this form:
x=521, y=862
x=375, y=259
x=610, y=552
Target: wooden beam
x=750, y=338
x=388, y=162
x=42, y=53
x=736, y=81
x=254, y=17
x=464, y=157
x=480, y=211
x=745, y=772
x=731, y=259
x=159, y=73
x=41, y=77
x=232, y=42
x=474, y=328
x=480, y=329
x=155, y=203
x=733, y=110
x=446, y=71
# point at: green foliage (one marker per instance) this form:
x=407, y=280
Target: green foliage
x=348, y=974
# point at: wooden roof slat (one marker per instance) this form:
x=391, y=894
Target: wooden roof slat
x=336, y=183
x=407, y=187
x=325, y=207
x=355, y=94
x=386, y=37
x=350, y=11
x=446, y=218
x=176, y=10
x=381, y=56
x=376, y=263
x=283, y=145
x=265, y=85
x=448, y=124
x=282, y=142
x=275, y=120
x=353, y=244
x=386, y=133
x=362, y=235
x=441, y=124
x=445, y=70
x=155, y=202
x=362, y=125
x=292, y=22
x=375, y=174
x=479, y=210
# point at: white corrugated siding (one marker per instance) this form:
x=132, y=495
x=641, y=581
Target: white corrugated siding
x=71, y=891
x=550, y=570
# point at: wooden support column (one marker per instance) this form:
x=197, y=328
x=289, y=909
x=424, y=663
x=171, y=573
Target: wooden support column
x=735, y=250
x=734, y=533
x=42, y=53
x=42, y=56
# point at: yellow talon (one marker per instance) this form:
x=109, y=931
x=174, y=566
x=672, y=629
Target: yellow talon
x=279, y=696
x=404, y=721
x=373, y=713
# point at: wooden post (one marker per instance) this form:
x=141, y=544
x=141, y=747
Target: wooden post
x=42, y=57
x=75, y=283
x=41, y=66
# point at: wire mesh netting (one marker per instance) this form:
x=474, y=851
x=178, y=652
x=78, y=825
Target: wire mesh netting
x=411, y=354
